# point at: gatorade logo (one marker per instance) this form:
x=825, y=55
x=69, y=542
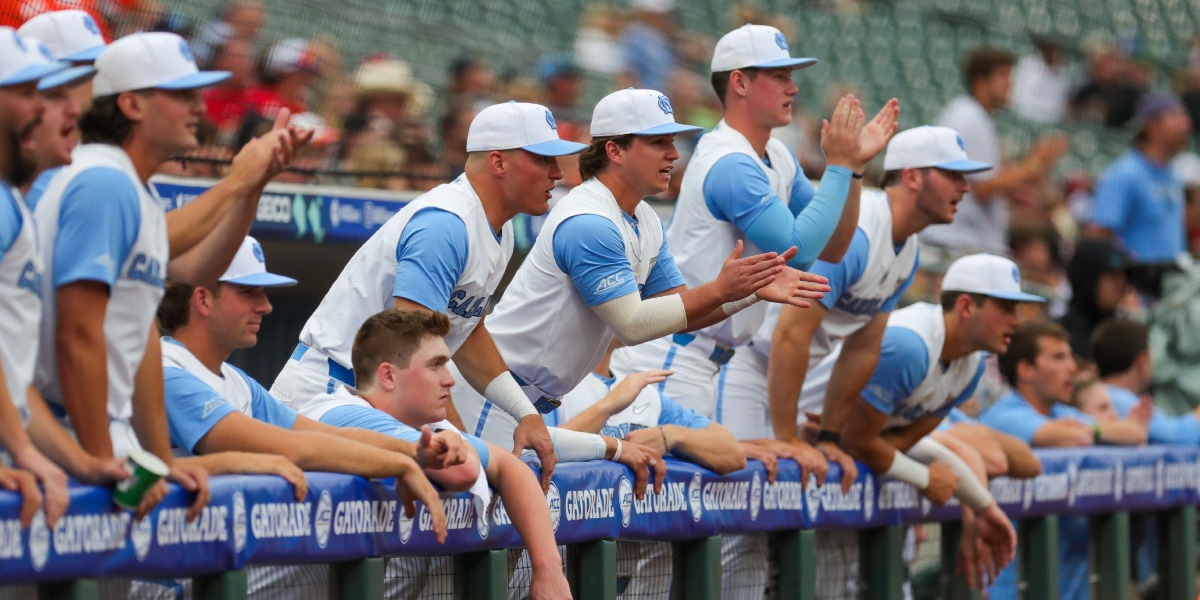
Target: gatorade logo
x=694, y=502
x=239, y=522
x=755, y=496
x=780, y=41
x=550, y=121
x=869, y=498
x=39, y=541
x=665, y=105
x=140, y=534
x=406, y=526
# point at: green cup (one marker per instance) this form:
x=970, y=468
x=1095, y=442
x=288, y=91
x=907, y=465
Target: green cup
x=145, y=469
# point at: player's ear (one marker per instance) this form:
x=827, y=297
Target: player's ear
x=613, y=151
x=496, y=162
x=132, y=104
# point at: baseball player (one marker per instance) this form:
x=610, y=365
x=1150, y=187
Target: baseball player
x=72, y=36
x=743, y=187
x=214, y=407
x=600, y=267
x=445, y=251
x=107, y=246
x=931, y=360
x=401, y=363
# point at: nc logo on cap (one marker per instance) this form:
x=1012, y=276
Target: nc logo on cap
x=960, y=143
x=258, y=253
x=1016, y=274
x=19, y=41
x=45, y=52
x=550, y=121
x=90, y=24
x=665, y=105
x=780, y=41
x=186, y=51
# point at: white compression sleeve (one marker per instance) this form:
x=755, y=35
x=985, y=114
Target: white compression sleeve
x=970, y=490
x=909, y=471
x=504, y=392
x=636, y=321
x=733, y=308
x=577, y=446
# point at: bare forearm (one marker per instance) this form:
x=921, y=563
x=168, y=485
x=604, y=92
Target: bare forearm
x=713, y=448
x=530, y=515
x=1125, y=433
x=52, y=440
x=12, y=435
x=149, y=410
x=83, y=377
x=479, y=360
x=843, y=234
x=1002, y=180
x=850, y=375
x=313, y=451
x=875, y=452
x=592, y=419
x=786, y=370
x=702, y=305
x=376, y=439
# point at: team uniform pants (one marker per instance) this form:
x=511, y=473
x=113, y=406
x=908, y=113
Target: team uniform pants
x=296, y=384
x=480, y=417
x=745, y=393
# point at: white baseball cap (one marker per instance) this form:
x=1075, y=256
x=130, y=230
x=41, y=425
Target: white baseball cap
x=71, y=35
x=757, y=46
x=249, y=267
x=155, y=60
x=653, y=6
x=929, y=146
x=290, y=56
x=640, y=112
x=23, y=60
x=1187, y=169
x=989, y=275
x=513, y=125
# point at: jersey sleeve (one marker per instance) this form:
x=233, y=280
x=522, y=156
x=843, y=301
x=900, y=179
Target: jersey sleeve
x=776, y=229
x=265, y=407
x=737, y=191
x=11, y=221
x=193, y=408
x=966, y=393
x=98, y=225
x=665, y=275
x=903, y=363
x=674, y=413
x=431, y=257
x=890, y=304
x=1110, y=209
x=844, y=274
x=365, y=417
x=1016, y=418
x=591, y=251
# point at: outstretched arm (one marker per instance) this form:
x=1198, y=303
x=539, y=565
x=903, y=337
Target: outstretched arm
x=527, y=508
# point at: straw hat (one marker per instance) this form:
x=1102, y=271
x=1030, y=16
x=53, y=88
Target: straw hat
x=383, y=76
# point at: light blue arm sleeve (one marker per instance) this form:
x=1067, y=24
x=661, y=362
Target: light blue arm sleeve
x=193, y=408
x=1114, y=192
x=903, y=363
x=265, y=407
x=1015, y=417
x=590, y=249
x=665, y=275
x=365, y=417
x=674, y=413
x=846, y=273
x=98, y=225
x=736, y=190
x=966, y=393
x=890, y=304
x=431, y=256
x=802, y=190
x=11, y=221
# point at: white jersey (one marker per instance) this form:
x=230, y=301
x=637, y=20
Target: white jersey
x=366, y=284
x=942, y=384
x=545, y=330
x=701, y=242
x=20, y=305
x=132, y=302
x=885, y=272
x=230, y=385
x=644, y=412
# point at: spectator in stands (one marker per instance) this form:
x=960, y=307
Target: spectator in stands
x=1121, y=350
x=227, y=102
x=646, y=45
x=931, y=360
x=982, y=219
x=1035, y=250
x=214, y=407
x=1098, y=276
x=560, y=78
x=1191, y=96
x=1040, y=367
x=389, y=98
x=241, y=19
x=1139, y=200
x=1041, y=85
x=1187, y=169
x=452, y=129
x=285, y=75
x=1110, y=95
x=471, y=80
x=403, y=384
x=596, y=45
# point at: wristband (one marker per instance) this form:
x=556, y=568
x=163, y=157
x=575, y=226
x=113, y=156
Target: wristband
x=826, y=435
x=506, y=393
x=856, y=175
x=908, y=470
x=732, y=308
x=617, y=454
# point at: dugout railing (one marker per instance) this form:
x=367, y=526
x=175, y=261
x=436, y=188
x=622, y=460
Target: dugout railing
x=350, y=523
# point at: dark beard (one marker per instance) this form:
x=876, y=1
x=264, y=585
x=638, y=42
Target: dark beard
x=22, y=171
